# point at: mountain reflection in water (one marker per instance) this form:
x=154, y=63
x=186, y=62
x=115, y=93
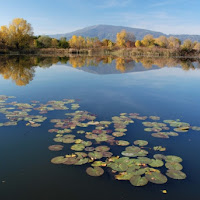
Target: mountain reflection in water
x=21, y=69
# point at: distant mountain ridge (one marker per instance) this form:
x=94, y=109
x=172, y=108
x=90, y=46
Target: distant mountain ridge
x=110, y=31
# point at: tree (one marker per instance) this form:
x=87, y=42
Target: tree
x=187, y=45
x=54, y=43
x=148, y=40
x=63, y=43
x=121, y=38
x=197, y=47
x=18, y=35
x=174, y=43
x=44, y=41
x=73, y=41
x=125, y=39
x=162, y=41
x=138, y=43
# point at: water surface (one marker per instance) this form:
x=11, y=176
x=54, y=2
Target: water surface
x=105, y=87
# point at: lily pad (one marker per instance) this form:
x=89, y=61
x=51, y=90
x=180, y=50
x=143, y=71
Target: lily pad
x=173, y=166
x=156, y=177
x=176, y=174
x=78, y=147
x=58, y=160
x=120, y=167
x=173, y=159
x=122, y=143
x=102, y=148
x=156, y=163
x=56, y=147
x=96, y=171
x=118, y=134
x=138, y=181
x=141, y=143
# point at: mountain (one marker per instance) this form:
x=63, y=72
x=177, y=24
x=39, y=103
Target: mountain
x=105, y=69
x=109, y=32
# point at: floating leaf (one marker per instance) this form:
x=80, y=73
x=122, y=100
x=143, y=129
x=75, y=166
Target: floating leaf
x=173, y=159
x=176, y=174
x=102, y=148
x=156, y=163
x=173, y=166
x=156, y=177
x=122, y=143
x=78, y=147
x=56, y=147
x=58, y=160
x=141, y=143
x=138, y=181
x=96, y=171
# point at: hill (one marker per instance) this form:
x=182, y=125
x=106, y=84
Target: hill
x=109, y=32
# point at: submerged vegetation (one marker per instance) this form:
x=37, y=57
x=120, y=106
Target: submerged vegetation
x=83, y=139
x=18, y=36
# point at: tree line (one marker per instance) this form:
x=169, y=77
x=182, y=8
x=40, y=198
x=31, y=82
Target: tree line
x=19, y=35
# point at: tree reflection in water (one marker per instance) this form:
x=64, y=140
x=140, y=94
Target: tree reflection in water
x=21, y=69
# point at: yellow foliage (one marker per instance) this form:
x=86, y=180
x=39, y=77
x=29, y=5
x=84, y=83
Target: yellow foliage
x=17, y=34
x=120, y=41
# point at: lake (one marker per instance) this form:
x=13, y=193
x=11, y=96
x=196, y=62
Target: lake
x=103, y=87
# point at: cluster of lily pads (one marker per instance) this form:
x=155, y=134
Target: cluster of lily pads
x=135, y=163
x=15, y=112
x=92, y=141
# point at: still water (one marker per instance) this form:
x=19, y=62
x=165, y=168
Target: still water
x=106, y=87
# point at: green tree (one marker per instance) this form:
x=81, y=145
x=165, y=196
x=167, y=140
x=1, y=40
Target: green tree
x=44, y=41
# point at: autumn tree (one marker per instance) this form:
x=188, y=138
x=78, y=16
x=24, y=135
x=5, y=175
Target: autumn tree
x=197, y=47
x=18, y=34
x=123, y=37
x=162, y=41
x=148, y=41
x=174, y=43
x=54, y=43
x=138, y=43
x=187, y=45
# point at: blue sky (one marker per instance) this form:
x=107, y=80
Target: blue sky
x=62, y=16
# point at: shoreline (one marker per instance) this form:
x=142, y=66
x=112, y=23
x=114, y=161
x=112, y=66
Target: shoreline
x=125, y=52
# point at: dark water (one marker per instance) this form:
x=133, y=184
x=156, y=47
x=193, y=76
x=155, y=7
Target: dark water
x=105, y=88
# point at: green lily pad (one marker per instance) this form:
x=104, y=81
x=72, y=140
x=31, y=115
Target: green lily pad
x=118, y=134
x=98, y=164
x=123, y=176
x=102, y=148
x=141, y=143
x=138, y=181
x=58, y=160
x=68, y=140
x=96, y=171
x=159, y=148
x=173, y=166
x=154, y=117
x=120, y=167
x=159, y=157
x=78, y=147
x=160, y=135
x=95, y=155
x=156, y=177
x=173, y=159
x=122, y=143
x=56, y=147
x=156, y=163
x=195, y=128
x=176, y=174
